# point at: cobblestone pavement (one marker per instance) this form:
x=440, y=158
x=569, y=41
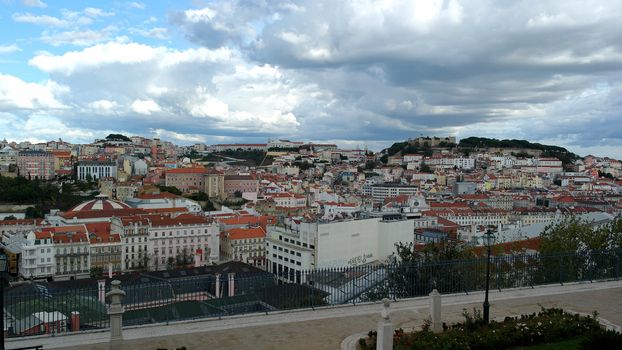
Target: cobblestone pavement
x=327, y=328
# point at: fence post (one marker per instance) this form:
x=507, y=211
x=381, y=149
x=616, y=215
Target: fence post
x=384, y=339
x=435, y=311
x=617, y=266
x=561, y=270
x=115, y=311
x=498, y=272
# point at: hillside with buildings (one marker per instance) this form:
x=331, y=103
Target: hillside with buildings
x=313, y=206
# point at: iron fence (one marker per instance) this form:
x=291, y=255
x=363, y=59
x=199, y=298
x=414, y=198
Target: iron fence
x=39, y=308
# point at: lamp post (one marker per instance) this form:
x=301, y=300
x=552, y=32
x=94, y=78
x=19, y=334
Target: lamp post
x=3, y=268
x=489, y=240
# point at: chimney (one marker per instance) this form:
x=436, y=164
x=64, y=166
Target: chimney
x=75, y=321
x=231, y=284
x=101, y=291
x=217, y=293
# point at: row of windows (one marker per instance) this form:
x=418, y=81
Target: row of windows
x=184, y=241
x=72, y=250
x=298, y=243
x=286, y=273
x=286, y=259
x=177, y=233
x=293, y=252
x=140, y=239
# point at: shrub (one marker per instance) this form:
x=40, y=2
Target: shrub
x=602, y=339
x=549, y=325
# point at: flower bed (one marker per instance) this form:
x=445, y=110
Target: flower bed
x=547, y=326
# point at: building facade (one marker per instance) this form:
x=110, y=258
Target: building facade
x=180, y=239
x=244, y=244
x=96, y=170
x=36, y=164
x=38, y=258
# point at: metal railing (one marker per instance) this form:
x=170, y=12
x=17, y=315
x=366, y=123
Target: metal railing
x=35, y=308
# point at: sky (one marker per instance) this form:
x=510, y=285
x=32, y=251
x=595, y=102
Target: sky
x=358, y=73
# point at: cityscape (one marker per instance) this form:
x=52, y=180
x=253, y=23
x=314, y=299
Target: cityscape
x=316, y=175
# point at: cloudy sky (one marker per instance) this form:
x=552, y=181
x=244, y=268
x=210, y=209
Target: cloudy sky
x=354, y=73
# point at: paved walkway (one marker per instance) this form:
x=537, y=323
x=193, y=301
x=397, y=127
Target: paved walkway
x=327, y=328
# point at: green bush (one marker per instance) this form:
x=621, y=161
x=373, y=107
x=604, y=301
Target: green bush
x=602, y=339
x=547, y=326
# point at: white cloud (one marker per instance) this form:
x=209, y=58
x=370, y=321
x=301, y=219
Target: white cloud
x=125, y=53
x=178, y=137
x=155, y=33
x=16, y=94
x=78, y=37
x=42, y=20
x=209, y=106
x=97, y=12
x=137, y=5
x=9, y=49
x=201, y=15
x=103, y=106
x=34, y=3
x=145, y=107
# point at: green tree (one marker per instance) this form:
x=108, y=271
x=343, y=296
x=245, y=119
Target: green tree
x=10, y=217
x=170, y=189
x=424, y=168
x=170, y=263
x=573, y=234
x=97, y=272
x=370, y=165
x=32, y=212
x=413, y=273
x=199, y=196
x=305, y=165
x=209, y=206
x=117, y=137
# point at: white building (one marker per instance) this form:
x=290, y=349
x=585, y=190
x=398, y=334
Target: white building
x=140, y=167
x=289, y=200
x=96, y=170
x=134, y=231
x=37, y=259
x=379, y=192
x=72, y=252
x=300, y=246
x=162, y=201
x=183, y=236
x=333, y=209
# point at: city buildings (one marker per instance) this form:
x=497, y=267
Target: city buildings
x=315, y=206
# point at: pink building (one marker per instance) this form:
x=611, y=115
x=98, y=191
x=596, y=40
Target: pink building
x=240, y=183
x=36, y=164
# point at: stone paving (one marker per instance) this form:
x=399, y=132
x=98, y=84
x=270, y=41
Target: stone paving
x=326, y=328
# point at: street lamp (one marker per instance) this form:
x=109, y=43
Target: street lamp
x=3, y=268
x=489, y=240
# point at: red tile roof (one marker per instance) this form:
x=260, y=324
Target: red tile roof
x=184, y=219
x=262, y=221
x=21, y=222
x=187, y=171
x=42, y=235
x=245, y=233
